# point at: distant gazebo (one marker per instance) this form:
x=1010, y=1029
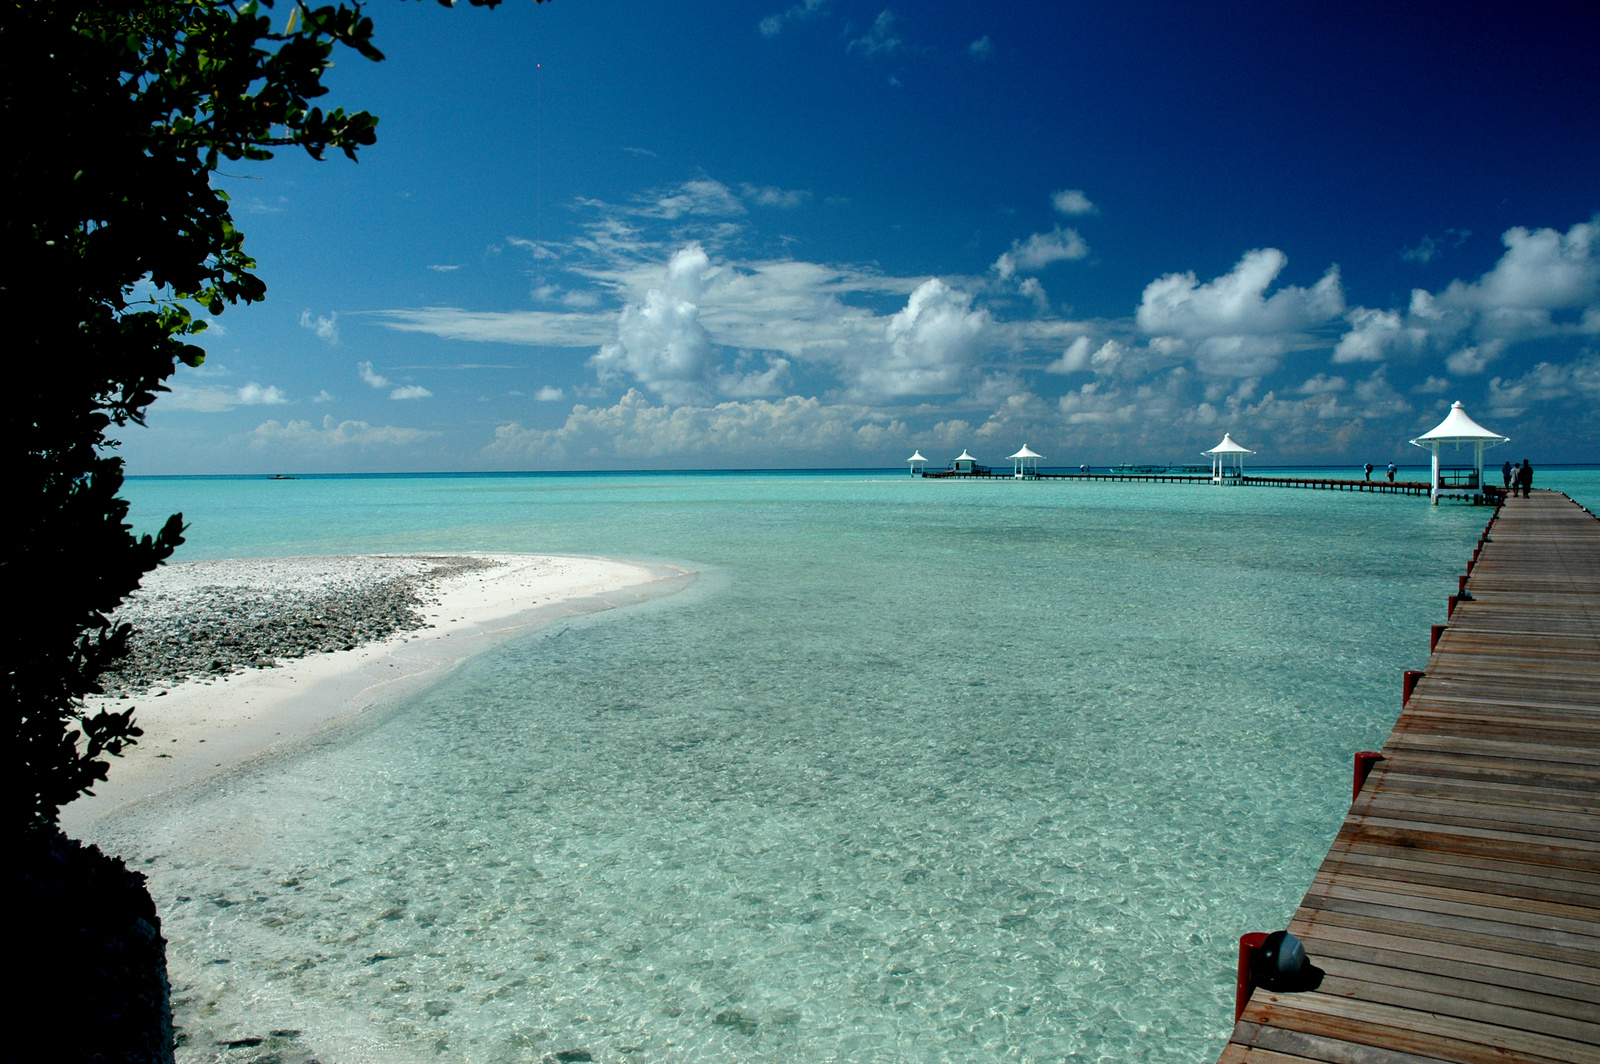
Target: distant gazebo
x=965, y=463
x=1221, y=453
x=1025, y=464
x=1459, y=429
x=919, y=464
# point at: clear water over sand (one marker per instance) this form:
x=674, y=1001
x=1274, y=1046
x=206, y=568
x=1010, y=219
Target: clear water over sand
x=917, y=771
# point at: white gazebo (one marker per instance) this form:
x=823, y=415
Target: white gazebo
x=965, y=463
x=1025, y=463
x=915, y=459
x=1459, y=429
x=1219, y=456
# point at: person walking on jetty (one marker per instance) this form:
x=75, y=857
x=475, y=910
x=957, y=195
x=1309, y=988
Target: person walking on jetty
x=1525, y=478
x=1369, y=470
x=1391, y=472
x=1506, y=473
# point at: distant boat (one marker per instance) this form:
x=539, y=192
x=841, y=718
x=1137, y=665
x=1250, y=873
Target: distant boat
x=280, y=476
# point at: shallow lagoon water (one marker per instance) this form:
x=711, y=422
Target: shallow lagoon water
x=916, y=771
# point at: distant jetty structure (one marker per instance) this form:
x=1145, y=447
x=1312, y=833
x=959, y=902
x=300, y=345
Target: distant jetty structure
x=1227, y=468
x=1025, y=464
x=1459, y=429
x=1220, y=455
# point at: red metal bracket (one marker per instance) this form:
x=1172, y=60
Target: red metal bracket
x=1408, y=683
x=1364, y=762
x=1249, y=946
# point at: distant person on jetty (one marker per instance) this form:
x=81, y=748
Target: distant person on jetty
x=1391, y=472
x=1505, y=473
x=1524, y=478
x=1369, y=470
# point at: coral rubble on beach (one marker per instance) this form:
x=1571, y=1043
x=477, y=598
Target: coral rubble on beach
x=215, y=618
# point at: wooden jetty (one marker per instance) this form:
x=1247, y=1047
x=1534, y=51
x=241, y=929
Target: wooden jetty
x=1457, y=915
x=1380, y=487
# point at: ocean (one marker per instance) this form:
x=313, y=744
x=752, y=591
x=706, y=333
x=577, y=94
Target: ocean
x=915, y=771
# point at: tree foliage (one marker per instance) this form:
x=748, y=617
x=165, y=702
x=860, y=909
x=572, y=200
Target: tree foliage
x=118, y=113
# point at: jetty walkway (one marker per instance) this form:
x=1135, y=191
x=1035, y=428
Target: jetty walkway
x=1457, y=916
x=1381, y=487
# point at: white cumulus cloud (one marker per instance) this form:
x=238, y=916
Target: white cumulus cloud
x=303, y=435
x=757, y=430
x=372, y=376
x=1546, y=385
x=1236, y=304
x=1039, y=251
x=1542, y=269
x=1074, y=359
x=880, y=39
x=1375, y=334
x=773, y=24
x=772, y=196
x=1072, y=201
x=929, y=346
x=411, y=391
x=1475, y=359
x=212, y=399
x=326, y=328
x=1236, y=329
x=660, y=341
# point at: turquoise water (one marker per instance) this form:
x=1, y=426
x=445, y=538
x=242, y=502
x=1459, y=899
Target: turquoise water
x=916, y=771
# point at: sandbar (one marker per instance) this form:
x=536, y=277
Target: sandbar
x=209, y=726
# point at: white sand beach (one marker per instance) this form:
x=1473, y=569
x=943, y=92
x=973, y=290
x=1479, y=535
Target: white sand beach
x=208, y=726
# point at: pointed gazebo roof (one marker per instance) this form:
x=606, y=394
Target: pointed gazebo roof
x=916, y=457
x=1227, y=446
x=1026, y=452
x=964, y=456
x=1457, y=427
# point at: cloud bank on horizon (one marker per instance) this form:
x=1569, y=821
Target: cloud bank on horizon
x=708, y=345
x=787, y=312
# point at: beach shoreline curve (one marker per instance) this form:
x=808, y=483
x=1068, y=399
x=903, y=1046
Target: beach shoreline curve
x=205, y=727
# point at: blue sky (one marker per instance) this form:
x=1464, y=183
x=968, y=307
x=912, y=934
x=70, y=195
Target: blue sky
x=616, y=235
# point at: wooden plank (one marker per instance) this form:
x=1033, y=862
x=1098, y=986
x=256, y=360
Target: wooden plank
x=1345, y=882
x=1303, y=1046
x=1508, y=935
x=1340, y=1013
x=1440, y=996
x=1452, y=872
x=1317, y=920
x=1493, y=982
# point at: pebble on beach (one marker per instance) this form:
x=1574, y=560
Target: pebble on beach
x=206, y=619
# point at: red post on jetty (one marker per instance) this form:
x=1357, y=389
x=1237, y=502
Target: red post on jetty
x=1408, y=683
x=1461, y=586
x=1438, y=630
x=1451, y=609
x=1365, y=759
x=1249, y=946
